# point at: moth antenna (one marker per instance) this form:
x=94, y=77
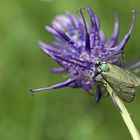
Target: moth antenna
x=116, y=53
x=115, y=103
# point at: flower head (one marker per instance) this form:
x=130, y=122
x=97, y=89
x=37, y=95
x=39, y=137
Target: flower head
x=77, y=47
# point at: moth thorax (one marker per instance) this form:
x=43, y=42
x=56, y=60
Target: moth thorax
x=104, y=67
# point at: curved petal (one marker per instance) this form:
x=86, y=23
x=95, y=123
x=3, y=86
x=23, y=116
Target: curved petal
x=65, y=25
x=60, y=85
x=58, y=70
x=87, y=38
x=94, y=20
x=78, y=25
x=102, y=36
x=48, y=49
x=112, y=42
x=121, y=45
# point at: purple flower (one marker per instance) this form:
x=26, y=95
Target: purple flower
x=78, y=46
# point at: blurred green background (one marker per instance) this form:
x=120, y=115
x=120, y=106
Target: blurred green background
x=63, y=114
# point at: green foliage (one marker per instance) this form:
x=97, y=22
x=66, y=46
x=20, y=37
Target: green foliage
x=64, y=114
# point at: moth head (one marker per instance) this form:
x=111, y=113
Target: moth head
x=102, y=66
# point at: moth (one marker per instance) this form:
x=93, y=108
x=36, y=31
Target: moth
x=122, y=81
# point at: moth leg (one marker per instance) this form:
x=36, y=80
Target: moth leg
x=98, y=93
x=105, y=84
x=105, y=89
x=115, y=103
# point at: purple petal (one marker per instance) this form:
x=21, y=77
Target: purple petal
x=94, y=20
x=60, y=85
x=59, y=33
x=62, y=34
x=76, y=84
x=127, y=36
x=58, y=44
x=78, y=25
x=102, y=36
x=51, y=30
x=87, y=38
x=112, y=42
x=58, y=70
x=52, y=52
x=71, y=61
x=66, y=49
x=65, y=37
x=47, y=48
x=65, y=25
x=95, y=28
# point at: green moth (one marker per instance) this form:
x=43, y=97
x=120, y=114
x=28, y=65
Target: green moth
x=122, y=81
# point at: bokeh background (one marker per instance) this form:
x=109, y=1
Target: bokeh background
x=63, y=114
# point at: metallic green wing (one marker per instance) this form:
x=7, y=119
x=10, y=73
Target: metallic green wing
x=125, y=92
x=133, y=77
x=122, y=81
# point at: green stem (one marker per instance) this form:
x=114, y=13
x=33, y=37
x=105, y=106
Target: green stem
x=125, y=115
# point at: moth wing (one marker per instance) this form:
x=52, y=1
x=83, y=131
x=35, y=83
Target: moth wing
x=133, y=77
x=121, y=82
x=127, y=75
x=122, y=75
x=127, y=96
x=124, y=91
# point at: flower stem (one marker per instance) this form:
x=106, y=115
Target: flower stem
x=125, y=115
